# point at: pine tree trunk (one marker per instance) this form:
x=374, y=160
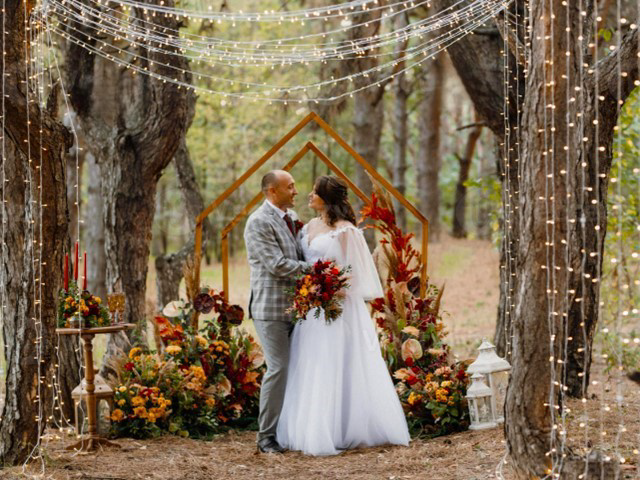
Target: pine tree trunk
x=429, y=161
x=31, y=270
x=134, y=124
x=460, y=203
x=94, y=224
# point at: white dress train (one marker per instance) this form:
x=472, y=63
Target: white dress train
x=339, y=393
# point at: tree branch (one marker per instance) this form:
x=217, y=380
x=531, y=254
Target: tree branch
x=513, y=42
x=607, y=70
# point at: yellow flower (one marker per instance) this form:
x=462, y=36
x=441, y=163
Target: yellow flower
x=134, y=352
x=441, y=395
x=445, y=384
x=122, y=389
x=121, y=402
x=117, y=415
x=198, y=373
x=174, y=349
x=210, y=401
x=414, y=398
x=140, y=412
x=451, y=402
x=138, y=401
x=98, y=300
x=68, y=299
x=304, y=292
x=201, y=340
x=152, y=418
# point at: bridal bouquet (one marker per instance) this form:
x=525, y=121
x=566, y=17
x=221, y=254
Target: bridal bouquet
x=322, y=286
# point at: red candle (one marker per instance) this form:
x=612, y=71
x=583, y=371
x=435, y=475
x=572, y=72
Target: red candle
x=66, y=272
x=75, y=266
x=84, y=282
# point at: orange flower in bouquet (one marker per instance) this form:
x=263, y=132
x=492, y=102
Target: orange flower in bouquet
x=321, y=286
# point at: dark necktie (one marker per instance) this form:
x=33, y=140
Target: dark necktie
x=289, y=223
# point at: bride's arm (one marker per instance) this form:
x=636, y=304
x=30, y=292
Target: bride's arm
x=352, y=249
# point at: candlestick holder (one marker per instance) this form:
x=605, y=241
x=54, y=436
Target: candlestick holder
x=92, y=440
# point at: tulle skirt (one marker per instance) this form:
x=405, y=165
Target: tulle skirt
x=339, y=394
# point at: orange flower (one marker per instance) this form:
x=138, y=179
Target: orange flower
x=117, y=415
x=140, y=412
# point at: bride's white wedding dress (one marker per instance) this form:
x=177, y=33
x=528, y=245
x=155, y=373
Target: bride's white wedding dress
x=339, y=394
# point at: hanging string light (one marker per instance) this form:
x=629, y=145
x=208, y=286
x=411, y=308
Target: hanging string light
x=275, y=93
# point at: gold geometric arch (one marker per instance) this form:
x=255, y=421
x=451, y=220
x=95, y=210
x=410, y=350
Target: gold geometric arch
x=308, y=147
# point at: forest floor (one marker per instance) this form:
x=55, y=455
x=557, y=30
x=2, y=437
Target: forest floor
x=470, y=270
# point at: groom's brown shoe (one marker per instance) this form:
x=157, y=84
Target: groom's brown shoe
x=269, y=445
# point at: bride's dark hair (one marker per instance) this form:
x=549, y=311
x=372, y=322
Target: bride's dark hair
x=334, y=193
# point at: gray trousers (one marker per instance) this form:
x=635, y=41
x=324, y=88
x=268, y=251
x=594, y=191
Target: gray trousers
x=274, y=339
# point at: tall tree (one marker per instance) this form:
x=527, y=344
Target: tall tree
x=134, y=124
x=554, y=230
x=368, y=106
x=460, y=203
x=401, y=91
x=429, y=160
x=34, y=170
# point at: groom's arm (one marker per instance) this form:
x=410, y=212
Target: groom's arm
x=260, y=240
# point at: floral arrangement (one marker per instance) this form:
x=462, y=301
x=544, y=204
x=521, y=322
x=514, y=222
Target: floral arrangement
x=321, y=286
x=432, y=388
x=207, y=380
x=80, y=307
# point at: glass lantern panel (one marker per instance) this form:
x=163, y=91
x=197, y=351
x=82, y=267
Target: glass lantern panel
x=472, y=411
x=484, y=410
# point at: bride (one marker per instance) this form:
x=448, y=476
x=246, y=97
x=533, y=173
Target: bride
x=339, y=394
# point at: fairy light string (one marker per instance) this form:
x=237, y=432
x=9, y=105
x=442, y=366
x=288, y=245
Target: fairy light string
x=423, y=55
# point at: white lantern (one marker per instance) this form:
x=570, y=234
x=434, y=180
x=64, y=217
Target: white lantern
x=496, y=374
x=479, y=398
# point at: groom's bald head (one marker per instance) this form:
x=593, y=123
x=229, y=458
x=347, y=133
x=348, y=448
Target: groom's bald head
x=279, y=188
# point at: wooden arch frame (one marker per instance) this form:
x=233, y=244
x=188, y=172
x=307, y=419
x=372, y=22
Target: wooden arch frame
x=309, y=146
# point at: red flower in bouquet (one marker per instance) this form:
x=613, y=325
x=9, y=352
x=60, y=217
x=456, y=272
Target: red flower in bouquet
x=321, y=287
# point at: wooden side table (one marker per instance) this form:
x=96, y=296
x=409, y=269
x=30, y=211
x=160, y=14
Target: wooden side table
x=92, y=440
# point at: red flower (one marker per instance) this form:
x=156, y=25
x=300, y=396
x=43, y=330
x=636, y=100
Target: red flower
x=461, y=375
x=409, y=362
x=412, y=380
x=378, y=305
x=129, y=366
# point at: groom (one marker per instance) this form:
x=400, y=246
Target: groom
x=274, y=259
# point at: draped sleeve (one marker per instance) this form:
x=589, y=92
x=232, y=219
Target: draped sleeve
x=350, y=248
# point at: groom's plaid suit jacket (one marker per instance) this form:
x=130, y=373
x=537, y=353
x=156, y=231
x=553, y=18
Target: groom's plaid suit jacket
x=274, y=260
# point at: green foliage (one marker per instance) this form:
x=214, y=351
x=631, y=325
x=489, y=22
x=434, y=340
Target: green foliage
x=620, y=352
x=620, y=267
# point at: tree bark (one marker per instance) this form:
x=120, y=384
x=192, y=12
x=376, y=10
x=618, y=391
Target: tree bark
x=460, y=203
x=94, y=222
x=429, y=159
x=135, y=124
x=34, y=238
x=556, y=289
